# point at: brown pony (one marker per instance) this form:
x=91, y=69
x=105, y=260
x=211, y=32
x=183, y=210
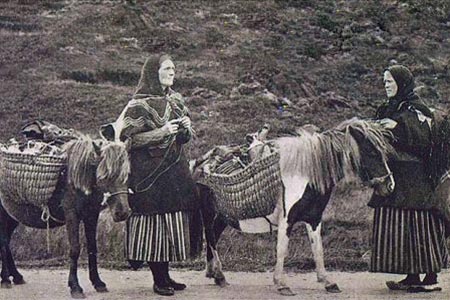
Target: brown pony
x=95, y=177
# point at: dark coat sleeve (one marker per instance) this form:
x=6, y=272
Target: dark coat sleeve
x=412, y=135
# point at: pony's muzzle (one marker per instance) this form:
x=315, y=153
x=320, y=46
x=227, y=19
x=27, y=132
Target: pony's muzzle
x=121, y=216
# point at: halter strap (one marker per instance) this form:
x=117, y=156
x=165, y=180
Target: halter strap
x=377, y=180
x=108, y=195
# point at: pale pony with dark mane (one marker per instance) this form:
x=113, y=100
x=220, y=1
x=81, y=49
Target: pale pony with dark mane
x=96, y=161
x=330, y=156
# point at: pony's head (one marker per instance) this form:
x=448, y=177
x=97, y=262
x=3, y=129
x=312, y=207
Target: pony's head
x=374, y=147
x=103, y=165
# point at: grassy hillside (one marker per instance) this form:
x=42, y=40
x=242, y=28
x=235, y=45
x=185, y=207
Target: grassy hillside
x=76, y=63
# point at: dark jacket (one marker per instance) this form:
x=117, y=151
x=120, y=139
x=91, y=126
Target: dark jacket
x=412, y=141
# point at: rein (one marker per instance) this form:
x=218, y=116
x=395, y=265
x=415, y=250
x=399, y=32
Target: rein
x=137, y=190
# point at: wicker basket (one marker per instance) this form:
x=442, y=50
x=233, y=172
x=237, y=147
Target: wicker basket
x=250, y=192
x=29, y=178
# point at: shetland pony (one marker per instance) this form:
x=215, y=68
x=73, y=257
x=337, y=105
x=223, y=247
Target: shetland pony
x=96, y=176
x=311, y=164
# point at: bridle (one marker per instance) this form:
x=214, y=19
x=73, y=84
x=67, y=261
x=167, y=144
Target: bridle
x=379, y=180
x=107, y=195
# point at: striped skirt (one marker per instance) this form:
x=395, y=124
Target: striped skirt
x=158, y=238
x=406, y=241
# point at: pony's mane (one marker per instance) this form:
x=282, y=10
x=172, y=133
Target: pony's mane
x=81, y=162
x=377, y=135
x=114, y=165
x=85, y=165
x=327, y=157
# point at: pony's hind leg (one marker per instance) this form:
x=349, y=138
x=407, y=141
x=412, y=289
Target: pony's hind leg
x=7, y=227
x=4, y=274
x=213, y=263
x=17, y=277
x=90, y=228
x=214, y=226
x=315, y=239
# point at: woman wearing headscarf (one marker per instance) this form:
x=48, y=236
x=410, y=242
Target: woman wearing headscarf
x=408, y=235
x=156, y=122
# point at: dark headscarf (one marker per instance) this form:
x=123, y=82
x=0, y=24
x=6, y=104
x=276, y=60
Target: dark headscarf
x=405, y=82
x=149, y=82
x=405, y=96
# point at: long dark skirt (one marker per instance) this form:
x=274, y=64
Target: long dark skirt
x=158, y=238
x=406, y=241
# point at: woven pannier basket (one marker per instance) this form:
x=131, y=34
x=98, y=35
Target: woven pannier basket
x=251, y=192
x=29, y=178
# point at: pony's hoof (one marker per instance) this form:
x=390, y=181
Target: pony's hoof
x=222, y=282
x=19, y=281
x=332, y=288
x=286, y=291
x=77, y=294
x=101, y=289
x=209, y=274
x=6, y=285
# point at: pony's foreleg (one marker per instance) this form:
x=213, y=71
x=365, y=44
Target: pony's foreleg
x=72, y=226
x=315, y=239
x=90, y=228
x=279, y=277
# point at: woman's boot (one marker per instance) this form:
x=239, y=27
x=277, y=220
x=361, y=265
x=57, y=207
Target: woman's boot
x=175, y=285
x=410, y=280
x=160, y=284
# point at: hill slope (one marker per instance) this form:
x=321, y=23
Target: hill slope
x=76, y=63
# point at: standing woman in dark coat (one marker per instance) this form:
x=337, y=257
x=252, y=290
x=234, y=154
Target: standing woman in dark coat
x=164, y=203
x=408, y=234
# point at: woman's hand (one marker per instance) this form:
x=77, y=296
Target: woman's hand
x=186, y=122
x=171, y=127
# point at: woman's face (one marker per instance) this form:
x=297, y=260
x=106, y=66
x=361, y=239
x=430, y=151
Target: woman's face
x=166, y=73
x=390, y=85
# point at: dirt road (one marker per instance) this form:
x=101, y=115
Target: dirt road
x=51, y=284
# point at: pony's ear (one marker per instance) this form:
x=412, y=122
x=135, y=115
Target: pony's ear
x=108, y=132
